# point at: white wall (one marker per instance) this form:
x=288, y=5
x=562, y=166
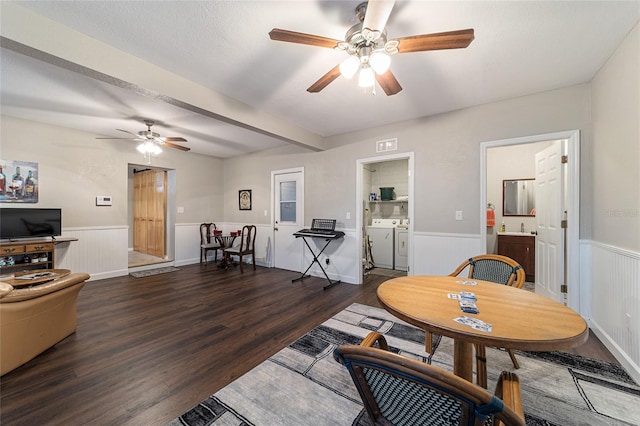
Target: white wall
x=613, y=253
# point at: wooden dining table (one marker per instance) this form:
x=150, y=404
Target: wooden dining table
x=519, y=319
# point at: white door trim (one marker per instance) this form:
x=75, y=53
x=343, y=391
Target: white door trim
x=573, y=204
x=360, y=197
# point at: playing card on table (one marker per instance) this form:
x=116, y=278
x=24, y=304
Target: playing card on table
x=467, y=282
x=482, y=327
x=468, y=306
x=474, y=323
x=468, y=295
x=455, y=296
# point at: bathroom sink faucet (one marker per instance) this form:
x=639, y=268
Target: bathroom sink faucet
x=522, y=227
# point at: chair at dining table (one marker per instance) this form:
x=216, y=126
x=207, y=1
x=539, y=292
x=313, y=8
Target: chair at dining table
x=501, y=270
x=207, y=242
x=247, y=246
x=397, y=390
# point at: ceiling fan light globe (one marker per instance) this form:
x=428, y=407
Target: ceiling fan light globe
x=349, y=67
x=367, y=77
x=380, y=62
x=149, y=148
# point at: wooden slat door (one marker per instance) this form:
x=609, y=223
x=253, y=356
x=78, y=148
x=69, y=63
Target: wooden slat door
x=149, y=212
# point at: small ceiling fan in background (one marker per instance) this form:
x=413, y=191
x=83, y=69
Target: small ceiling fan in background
x=150, y=136
x=369, y=49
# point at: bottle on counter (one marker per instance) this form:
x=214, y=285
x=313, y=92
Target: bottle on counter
x=502, y=227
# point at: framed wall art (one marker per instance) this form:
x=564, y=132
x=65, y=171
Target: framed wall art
x=18, y=182
x=244, y=199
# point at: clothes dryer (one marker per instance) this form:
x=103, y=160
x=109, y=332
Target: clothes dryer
x=401, y=255
x=381, y=237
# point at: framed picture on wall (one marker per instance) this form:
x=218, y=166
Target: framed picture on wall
x=244, y=199
x=18, y=182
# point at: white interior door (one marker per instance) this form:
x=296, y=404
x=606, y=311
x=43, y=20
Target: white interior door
x=549, y=214
x=288, y=218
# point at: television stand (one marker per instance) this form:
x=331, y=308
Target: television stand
x=29, y=254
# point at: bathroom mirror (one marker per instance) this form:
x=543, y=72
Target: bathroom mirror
x=518, y=197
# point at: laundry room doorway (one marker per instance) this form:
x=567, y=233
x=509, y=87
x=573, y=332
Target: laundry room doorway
x=384, y=192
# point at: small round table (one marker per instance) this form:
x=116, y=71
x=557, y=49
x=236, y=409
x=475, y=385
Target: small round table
x=519, y=318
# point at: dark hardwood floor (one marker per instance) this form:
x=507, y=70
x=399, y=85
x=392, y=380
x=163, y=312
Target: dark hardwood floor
x=148, y=349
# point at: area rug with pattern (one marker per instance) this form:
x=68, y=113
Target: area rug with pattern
x=303, y=385
x=156, y=271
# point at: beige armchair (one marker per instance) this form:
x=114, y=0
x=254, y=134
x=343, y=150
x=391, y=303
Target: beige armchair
x=34, y=318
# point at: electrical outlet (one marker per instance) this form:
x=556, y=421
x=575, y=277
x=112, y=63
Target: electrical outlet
x=627, y=320
x=458, y=214
x=348, y=215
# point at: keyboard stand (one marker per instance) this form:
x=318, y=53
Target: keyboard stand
x=315, y=259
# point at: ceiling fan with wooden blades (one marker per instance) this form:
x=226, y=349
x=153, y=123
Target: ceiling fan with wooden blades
x=369, y=49
x=151, y=136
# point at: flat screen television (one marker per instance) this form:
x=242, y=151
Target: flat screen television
x=18, y=223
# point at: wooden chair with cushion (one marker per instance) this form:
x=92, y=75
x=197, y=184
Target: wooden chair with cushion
x=397, y=390
x=498, y=269
x=208, y=242
x=247, y=246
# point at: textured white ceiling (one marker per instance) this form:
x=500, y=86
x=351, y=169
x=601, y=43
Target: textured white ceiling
x=519, y=48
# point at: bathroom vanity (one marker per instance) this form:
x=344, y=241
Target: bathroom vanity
x=520, y=247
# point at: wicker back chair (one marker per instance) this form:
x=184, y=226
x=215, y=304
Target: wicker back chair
x=397, y=390
x=495, y=268
x=498, y=269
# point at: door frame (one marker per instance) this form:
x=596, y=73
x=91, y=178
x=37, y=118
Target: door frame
x=170, y=207
x=360, y=163
x=572, y=196
x=274, y=173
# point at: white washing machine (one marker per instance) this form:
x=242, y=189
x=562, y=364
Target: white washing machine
x=381, y=236
x=401, y=254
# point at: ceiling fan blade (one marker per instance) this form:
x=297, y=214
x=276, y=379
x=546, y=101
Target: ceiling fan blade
x=171, y=145
x=126, y=131
x=127, y=139
x=436, y=41
x=376, y=17
x=302, y=38
x=178, y=139
x=389, y=83
x=325, y=80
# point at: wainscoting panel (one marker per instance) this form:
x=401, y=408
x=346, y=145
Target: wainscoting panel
x=100, y=252
x=441, y=254
x=187, y=248
x=615, y=311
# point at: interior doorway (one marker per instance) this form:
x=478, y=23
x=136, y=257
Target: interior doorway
x=384, y=212
x=571, y=186
x=151, y=223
